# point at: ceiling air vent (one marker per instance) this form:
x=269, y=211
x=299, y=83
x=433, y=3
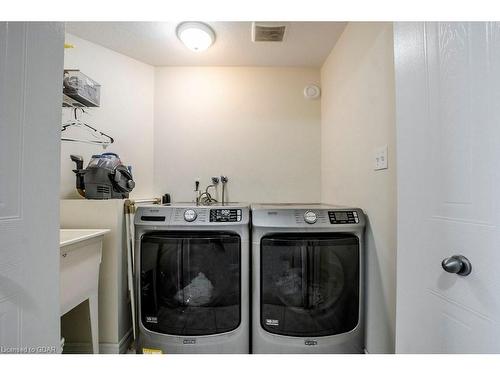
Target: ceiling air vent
x=268, y=31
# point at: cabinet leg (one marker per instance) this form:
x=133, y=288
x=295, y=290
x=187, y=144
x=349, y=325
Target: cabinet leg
x=94, y=323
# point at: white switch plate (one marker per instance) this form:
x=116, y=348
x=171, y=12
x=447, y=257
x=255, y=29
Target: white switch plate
x=381, y=158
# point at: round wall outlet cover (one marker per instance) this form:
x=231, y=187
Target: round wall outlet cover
x=312, y=92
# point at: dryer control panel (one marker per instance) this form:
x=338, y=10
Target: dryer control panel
x=223, y=215
x=343, y=217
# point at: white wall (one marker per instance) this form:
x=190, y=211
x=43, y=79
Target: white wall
x=126, y=113
x=357, y=111
x=251, y=124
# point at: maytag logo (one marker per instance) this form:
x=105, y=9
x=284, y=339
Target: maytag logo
x=310, y=342
x=272, y=322
x=189, y=341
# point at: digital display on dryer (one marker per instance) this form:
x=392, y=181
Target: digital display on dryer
x=343, y=217
x=222, y=215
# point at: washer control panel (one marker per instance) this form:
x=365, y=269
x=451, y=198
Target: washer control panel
x=224, y=215
x=343, y=217
x=190, y=215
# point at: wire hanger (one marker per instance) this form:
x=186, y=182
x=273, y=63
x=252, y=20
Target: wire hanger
x=97, y=137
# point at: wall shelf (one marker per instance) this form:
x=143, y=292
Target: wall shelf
x=68, y=102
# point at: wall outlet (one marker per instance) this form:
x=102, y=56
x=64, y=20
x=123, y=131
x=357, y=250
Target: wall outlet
x=381, y=158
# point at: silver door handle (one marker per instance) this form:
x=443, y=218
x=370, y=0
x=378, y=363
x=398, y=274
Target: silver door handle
x=457, y=264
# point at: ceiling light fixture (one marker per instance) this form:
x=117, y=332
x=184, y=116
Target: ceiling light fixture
x=196, y=36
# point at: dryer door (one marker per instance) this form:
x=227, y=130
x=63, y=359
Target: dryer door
x=309, y=284
x=190, y=282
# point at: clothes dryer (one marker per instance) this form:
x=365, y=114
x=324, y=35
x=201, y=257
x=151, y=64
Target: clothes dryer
x=307, y=279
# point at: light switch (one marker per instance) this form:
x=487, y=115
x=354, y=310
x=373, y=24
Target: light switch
x=381, y=158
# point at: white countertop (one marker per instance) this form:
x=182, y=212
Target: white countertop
x=71, y=236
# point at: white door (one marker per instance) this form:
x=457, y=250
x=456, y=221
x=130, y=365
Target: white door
x=31, y=67
x=448, y=155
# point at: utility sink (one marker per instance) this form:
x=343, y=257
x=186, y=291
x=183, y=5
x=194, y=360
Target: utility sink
x=80, y=259
x=71, y=236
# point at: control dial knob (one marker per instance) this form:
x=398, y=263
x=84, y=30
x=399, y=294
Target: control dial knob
x=190, y=215
x=310, y=217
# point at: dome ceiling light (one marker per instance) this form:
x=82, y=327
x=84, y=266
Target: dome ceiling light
x=197, y=36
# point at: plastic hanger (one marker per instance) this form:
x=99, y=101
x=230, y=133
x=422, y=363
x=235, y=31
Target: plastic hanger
x=97, y=137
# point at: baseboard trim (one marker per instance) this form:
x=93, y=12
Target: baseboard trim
x=104, y=347
x=77, y=348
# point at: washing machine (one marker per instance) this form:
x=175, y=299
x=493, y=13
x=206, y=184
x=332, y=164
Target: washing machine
x=192, y=278
x=307, y=279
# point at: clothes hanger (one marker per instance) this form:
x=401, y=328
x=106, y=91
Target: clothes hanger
x=99, y=138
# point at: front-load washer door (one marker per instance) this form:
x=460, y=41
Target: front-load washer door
x=309, y=284
x=190, y=282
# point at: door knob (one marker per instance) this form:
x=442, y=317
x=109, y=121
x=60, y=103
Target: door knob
x=457, y=264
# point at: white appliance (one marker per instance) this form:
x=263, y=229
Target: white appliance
x=192, y=278
x=307, y=279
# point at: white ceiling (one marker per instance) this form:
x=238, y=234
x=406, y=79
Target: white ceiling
x=306, y=44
